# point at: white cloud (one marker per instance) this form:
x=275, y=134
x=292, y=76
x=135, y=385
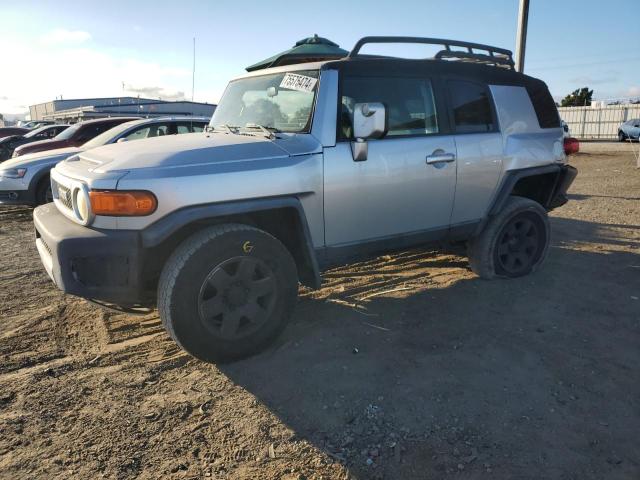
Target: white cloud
x=63, y=36
x=155, y=92
x=633, y=91
x=40, y=74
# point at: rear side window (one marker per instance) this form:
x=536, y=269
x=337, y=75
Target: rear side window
x=409, y=103
x=471, y=107
x=544, y=106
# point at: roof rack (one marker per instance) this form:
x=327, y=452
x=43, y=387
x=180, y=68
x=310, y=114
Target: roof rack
x=493, y=56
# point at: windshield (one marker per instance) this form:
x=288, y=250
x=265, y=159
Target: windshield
x=108, y=136
x=35, y=132
x=67, y=133
x=282, y=102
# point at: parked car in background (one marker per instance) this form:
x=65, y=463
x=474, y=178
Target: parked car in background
x=25, y=180
x=565, y=129
x=36, y=123
x=305, y=166
x=9, y=131
x=74, y=136
x=47, y=132
x=629, y=130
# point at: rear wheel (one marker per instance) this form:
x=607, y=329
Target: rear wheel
x=43, y=192
x=227, y=292
x=513, y=243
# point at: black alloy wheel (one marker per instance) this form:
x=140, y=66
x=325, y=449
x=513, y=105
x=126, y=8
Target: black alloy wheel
x=237, y=297
x=519, y=245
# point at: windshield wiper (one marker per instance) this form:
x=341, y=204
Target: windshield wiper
x=270, y=132
x=223, y=126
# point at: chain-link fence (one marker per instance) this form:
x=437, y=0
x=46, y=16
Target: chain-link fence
x=600, y=122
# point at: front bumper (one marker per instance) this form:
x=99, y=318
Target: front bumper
x=15, y=191
x=96, y=264
x=17, y=197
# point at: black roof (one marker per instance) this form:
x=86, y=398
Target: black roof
x=370, y=66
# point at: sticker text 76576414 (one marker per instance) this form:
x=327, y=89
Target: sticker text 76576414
x=301, y=83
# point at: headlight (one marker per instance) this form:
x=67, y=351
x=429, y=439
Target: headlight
x=81, y=205
x=13, y=173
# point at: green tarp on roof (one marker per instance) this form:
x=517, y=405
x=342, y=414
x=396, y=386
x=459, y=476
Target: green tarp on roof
x=310, y=49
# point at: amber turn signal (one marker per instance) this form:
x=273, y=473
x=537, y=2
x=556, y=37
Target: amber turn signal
x=114, y=203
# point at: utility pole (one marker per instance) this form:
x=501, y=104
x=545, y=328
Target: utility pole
x=521, y=36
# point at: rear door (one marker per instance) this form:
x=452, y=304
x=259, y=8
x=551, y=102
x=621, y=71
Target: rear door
x=479, y=148
x=407, y=183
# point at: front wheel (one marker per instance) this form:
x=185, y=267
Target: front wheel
x=513, y=243
x=227, y=292
x=621, y=136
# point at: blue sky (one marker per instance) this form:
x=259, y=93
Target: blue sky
x=90, y=48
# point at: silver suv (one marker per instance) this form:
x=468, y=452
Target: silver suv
x=304, y=166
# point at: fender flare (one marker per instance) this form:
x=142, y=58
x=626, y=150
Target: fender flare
x=565, y=174
x=512, y=177
x=162, y=229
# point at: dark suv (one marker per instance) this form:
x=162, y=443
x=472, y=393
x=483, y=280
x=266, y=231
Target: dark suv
x=10, y=143
x=74, y=136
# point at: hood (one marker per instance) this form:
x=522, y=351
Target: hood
x=192, y=150
x=41, y=145
x=39, y=158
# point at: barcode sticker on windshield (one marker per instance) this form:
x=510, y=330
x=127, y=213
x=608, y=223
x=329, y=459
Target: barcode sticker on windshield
x=301, y=83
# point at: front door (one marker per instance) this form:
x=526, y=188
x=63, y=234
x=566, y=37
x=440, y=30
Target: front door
x=407, y=183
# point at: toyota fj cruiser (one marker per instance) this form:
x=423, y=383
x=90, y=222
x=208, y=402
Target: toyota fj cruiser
x=303, y=166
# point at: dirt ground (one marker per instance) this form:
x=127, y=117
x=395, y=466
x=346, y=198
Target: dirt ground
x=407, y=366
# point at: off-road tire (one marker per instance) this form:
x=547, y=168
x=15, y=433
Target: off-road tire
x=43, y=191
x=185, y=276
x=483, y=249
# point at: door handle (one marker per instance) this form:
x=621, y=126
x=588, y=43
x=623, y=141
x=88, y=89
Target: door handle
x=440, y=157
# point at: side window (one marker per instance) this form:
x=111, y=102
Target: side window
x=544, y=105
x=86, y=133
x=409, y=103
x=103, y=128
x=155, y=130
x=137, y=134
x=189, y=127
x=471, y=107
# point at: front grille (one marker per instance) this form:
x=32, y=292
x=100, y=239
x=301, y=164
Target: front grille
x=64, y=194
x=46, y=247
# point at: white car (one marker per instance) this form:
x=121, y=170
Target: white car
x=24, y=180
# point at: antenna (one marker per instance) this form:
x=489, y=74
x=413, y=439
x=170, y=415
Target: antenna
x=193, y=75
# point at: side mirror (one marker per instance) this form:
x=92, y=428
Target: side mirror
x=121, y=140
x=369, y=121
